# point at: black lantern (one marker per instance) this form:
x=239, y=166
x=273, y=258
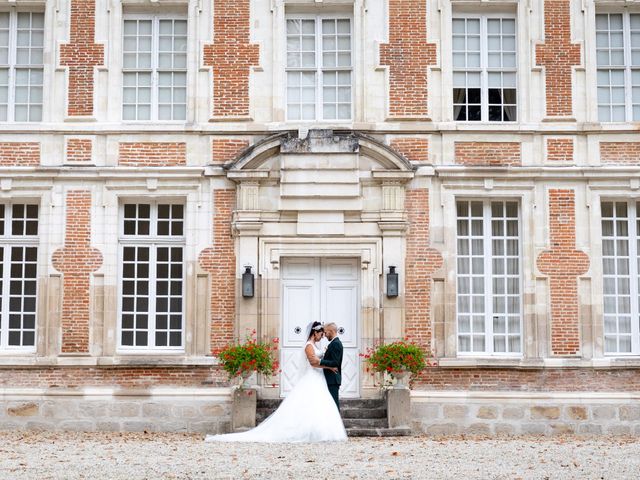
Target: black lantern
x=247, y=283
x=392, y=282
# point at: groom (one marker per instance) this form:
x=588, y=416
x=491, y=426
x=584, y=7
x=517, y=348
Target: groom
x=333, y=358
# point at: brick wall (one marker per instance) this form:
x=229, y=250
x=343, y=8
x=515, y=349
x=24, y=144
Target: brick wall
x=112, y=376
x=558, y=55
x=420, y=264
x=621, y=153
x=219, y=261
x=79, y=149
x=81, y=55
x=562, y=263
x=76, y=260
x=488, y=154
x=152, y=154
x=231, y=57
x=19, y=154
x=408, y=56
x=226, y=149
x=413, y=149
x=559, y=149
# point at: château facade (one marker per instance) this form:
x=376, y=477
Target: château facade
x=152, y=151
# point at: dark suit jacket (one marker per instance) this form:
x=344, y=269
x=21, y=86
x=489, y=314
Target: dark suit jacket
x=333, y=358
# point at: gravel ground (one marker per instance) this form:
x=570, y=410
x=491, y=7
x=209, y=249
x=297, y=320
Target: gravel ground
x=131, y=456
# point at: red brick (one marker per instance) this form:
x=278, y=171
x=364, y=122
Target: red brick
x=226, y=149
x=558, y=55
x=412, y=148
x=420, y=264
x=408, y=56
x=231, y=57
x=152, y=154
x=76, y=260
x=220, y=261
x=81, y=55
x=488, y=154
x=620, y=153
x=559, y=149
x=79, y=149
x=19, y=154
x=563, y=264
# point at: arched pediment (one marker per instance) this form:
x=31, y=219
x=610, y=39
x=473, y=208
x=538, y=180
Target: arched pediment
x=320, y=142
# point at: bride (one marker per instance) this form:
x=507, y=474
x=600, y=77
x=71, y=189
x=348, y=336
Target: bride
x=307, y=414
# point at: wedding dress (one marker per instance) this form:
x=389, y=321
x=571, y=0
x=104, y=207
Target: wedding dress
x=307, y=414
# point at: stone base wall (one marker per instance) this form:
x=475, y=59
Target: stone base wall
x=515, y=413
x=179, y=410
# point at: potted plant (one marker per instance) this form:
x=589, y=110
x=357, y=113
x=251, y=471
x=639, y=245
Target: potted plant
x=240, y=361
x=398, y=360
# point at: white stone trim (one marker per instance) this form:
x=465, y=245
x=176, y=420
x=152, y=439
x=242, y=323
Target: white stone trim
x=431, y=396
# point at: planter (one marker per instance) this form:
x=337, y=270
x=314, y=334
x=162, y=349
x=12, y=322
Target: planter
x=243, y=410
x=402, y=379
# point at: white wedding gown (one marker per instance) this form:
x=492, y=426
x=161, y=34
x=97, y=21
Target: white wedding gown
x=307, y=414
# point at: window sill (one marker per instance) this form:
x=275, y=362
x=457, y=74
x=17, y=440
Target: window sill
x=154, y=360
x=538, y=363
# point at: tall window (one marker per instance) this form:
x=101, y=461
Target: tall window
x=620, y=268
x=484, y=69
x=618, y=57
x=152, y=285
x=21, y=66
x=18, y=278
x=488, y=273
x=319, y=68
x=154, y=62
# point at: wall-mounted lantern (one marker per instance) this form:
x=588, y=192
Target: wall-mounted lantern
x=392, y=282
x=247, y=283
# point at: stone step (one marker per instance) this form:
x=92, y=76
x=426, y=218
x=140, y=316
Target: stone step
x=363, y=413
x=379, y=432
x=365, y=423
x=345, y=403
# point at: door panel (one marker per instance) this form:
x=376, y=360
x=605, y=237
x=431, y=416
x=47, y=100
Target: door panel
x=325, y=290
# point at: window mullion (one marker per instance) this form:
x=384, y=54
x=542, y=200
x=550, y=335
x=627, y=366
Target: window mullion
x=488, y=276
x=153, y=274
x=4, y=330
x=155, y=29
x=484, y=80
x=319, y=68
x=633, y=274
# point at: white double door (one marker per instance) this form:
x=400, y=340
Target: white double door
x=324, y=290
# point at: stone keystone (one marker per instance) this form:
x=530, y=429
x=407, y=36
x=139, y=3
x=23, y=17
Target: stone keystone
x=76, y=261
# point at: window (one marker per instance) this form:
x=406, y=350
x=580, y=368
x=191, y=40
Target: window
x=488, y=275
x=21, y=66
x=484, y=69
x=618, y=58
x=18, y=279
x=152, y=285
x=154, y=62
x=620, y=267
x=319, y=68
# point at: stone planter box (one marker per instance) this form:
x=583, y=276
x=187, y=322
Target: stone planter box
x=243, y=410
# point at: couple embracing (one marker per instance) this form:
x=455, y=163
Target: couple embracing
x=310, y=412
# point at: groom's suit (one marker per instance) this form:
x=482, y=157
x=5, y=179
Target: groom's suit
x=333, y=358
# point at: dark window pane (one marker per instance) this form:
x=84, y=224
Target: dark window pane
x=142, y=322
x=128, y=287
x=176, y=322
x=176, y=254
x=127, y=304
x=16, y=254
x=176, y=288
x=474, y=113
x=15, y=304
x=176, y=271
x=176, y=304
x=29, y=322
x=28, y=339
x=14, y=339
x=176, y=228
x=143, y=228
x=460, y=113
x=474, y=95
x=129, y=210
x=495, y=96
x=509, y=114
x=16, y=270
x=177, y=211
x=163, y=270
x=161, y=339
x=128, y=270
x=142, y=304
x=129, y=227
x=143, y=254
x=161, y=322
x=32, y=228
x=14, y=322
x=30, y=270
x=495, y=113
x=161, y=304
x=127, y=321
x=17, y=227
x=30, y=288
x=32, y=211
x=143, y=288
x=162, y=288
x=15, y=288
x=163, y=254
x=31, y=254
x=18, y=210
x=29, y=304
x=144, y=210
x=143, y=270
x=163, y=228
x=163, y=211
x=176, y=339
x=127, y=338
x=141, y=339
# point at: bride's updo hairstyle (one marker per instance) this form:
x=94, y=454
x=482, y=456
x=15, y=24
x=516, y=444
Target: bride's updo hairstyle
x=316, y=327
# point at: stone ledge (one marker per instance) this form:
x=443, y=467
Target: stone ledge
x=154, y=360
x=538, y=363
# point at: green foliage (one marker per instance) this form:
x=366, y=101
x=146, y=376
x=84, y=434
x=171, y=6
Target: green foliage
x=242, y=359
x=396, y=357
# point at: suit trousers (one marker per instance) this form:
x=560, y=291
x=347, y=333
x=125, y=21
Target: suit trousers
x=333, y=390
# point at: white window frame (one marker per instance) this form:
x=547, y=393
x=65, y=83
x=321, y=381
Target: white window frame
x=488, y=279
x=318, y=69
x=7, y=240
x=152, y=241
x=633, y=256
x=13, y=66
x=626, y=68
x=155, y=38
x=484, y=69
